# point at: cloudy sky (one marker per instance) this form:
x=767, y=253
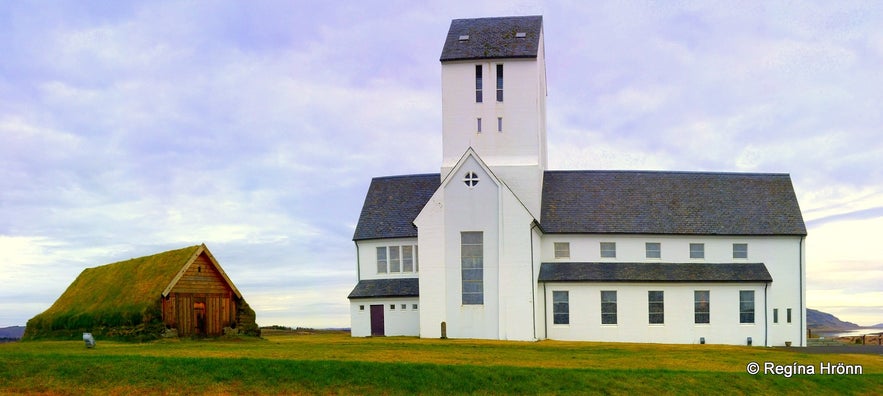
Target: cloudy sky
x=128, y=129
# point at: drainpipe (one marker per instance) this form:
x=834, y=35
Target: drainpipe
x=545, y=316
x=800, y=277
x=358, y=264
x=766, y=319
x=533, y=285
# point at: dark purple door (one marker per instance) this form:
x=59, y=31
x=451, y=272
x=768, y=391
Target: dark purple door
x=377, y=320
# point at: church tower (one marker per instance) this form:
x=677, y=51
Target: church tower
x=494, y=100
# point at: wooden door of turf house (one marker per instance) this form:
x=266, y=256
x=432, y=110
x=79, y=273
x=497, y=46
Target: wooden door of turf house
x=201, y=302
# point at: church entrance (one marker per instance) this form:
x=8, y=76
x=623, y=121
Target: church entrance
x=377, y=328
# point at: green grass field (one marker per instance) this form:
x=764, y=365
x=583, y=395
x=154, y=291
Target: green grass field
x=334, y=363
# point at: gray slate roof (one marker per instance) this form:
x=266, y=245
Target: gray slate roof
x=689, y=203
x=654, y=272
x=615, y=202
x=402, y=287
x=492, y=38
x=392, y=204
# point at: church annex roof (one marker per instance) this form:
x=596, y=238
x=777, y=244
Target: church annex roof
x=686, y=203
x=373, y=288
x=654, y=272
x=615, y=202
x=492, y=38
x=392, y=204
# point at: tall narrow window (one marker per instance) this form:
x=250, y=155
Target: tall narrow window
x=478, y=127
x=608, y=306
x=775, y=315
x=656, y=306
x=499, y=83
x=740, y=250
x=381, y=260
x=472, y=267
x=697, y=250
x=746, y=306
x=560, y=307
x=499, y=124
x=654, y=249
x=407, y=258
x=562, y=250
x=395, y=264
x=701, y=306
x=416, y=260
x=788, y=315
x=478, y=84
x=608, y=249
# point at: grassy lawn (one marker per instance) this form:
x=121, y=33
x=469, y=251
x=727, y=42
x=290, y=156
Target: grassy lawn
x=334, y=363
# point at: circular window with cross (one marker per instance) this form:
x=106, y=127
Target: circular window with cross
x=471, y=179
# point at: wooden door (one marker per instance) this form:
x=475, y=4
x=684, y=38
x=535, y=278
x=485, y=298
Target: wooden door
x=377, y=320
x=199, y=316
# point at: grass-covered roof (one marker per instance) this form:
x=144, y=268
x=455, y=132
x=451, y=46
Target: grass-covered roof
x=125, y=293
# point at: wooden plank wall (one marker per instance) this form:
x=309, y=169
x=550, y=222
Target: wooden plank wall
x=201, y=282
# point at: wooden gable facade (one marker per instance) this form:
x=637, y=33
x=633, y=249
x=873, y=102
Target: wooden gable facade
x=201, y=300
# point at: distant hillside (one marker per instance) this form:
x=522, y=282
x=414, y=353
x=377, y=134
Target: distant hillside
x=13, y=332
x=818, y=320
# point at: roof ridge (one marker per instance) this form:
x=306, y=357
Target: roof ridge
x=672, y=172
x=404, y=176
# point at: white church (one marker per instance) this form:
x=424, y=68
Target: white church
x=496, y=246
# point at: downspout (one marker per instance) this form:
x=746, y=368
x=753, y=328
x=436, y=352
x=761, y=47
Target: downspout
x=545, y=315
x=533, y=285
x=358, y=264
x=766, y=319
x=800, y=277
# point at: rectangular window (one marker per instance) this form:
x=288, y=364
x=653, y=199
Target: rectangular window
x=381, y=260
x=499, y=124
x=479, y=124
x=361, y=307
x=746, y=306
x=414, y=306
x=392, y=307
x=656, y=306
x=407, y=259
x=608, y=306
x=395, y=264
x=654, y=249
x=701, y=306
x=404, y=307
x=697, y=250
x=472, y=267
x=499, y=83
x=788, y=315
x=775, y=315
x=562, y=250
x=478, y=95
x=560, y=307
x=740, y=250
x=608, y=249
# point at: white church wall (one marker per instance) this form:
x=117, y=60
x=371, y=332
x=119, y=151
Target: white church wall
x=400, y=316
x=433, y=278
x=633, y=324
x=516, y=280
x=782, y=256
x=512, y=137
x=471, y=209
x=367, y=251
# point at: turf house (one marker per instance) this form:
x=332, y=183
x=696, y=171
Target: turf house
x=498, y=246
x=182, y=292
